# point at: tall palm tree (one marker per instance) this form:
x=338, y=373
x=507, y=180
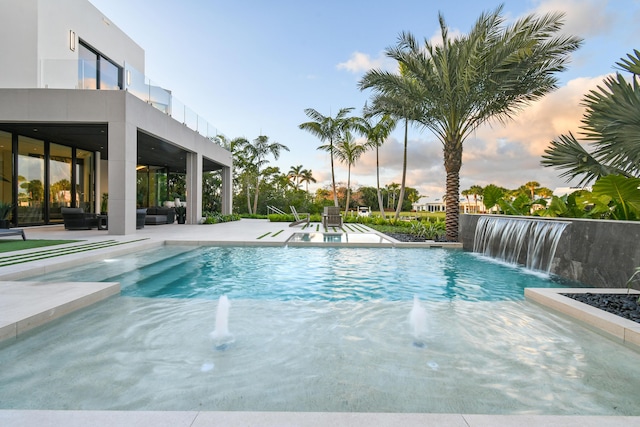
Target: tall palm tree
x=400, y=108
x=243, y=170
x=348, y=151
x=475, y=191
x=532, y=186
x=306, y=176
x=257, y=152
x=329, y=130
x=295, y=173
x=611, y=124
x=490, y=73
x=376, y=134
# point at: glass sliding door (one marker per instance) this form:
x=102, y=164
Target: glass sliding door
x=6, y=170
x=87, y=68
x=59, y=181
x=85, y=180
x=31, y=179
x=151, y=186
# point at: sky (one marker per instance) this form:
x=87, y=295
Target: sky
x=252, y=67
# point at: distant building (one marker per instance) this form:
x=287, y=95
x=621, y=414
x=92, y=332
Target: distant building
x=439, y=204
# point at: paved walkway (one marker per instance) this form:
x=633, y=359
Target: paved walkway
x=26, y=304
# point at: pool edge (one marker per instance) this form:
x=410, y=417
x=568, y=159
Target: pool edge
x=623, y=331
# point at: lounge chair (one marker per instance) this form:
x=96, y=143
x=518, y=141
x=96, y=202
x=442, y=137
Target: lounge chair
x=78, y=219
x=12, y=232
x=298, y=217
x=331, y=217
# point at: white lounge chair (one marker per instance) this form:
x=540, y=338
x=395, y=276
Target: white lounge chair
x=298, y=217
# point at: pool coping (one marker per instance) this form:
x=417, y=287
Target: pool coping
x=46, y=418
x=619, y=329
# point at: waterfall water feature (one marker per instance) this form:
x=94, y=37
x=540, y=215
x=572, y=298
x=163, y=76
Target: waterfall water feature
x=504, y=238
x=221, y=336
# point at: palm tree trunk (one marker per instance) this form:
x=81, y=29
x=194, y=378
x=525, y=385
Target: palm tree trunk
x=255, y=196
x=248, y=199
x=333, y=178
x=404, y=170
x=380, y=202
x=346, y=208
x=452, y=163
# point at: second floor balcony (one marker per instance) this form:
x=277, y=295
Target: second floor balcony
x=103, y=75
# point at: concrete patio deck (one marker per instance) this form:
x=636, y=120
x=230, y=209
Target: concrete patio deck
x=30, y=299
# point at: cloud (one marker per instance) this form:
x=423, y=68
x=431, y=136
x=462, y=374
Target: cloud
x=363, y=62
x=585, y=18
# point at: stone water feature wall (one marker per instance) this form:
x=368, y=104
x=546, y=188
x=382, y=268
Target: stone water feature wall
x=597, y=253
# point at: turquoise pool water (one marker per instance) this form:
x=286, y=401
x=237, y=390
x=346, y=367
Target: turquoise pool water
x=318, y=329
x=331, y=274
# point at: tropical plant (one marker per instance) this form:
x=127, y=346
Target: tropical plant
x=491, y=194
x=615, y=197
x=376, y=134
x=306, y=176
x=295, y=173
x=490, y=73
x=610, y=123
x=329, y=130
x=5, y=210
x=256, y=154
x=393, y=103
x=348, y=151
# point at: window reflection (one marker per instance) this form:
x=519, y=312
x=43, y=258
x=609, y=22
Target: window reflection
x=96, y=71
x=84, y=180
x=6, y=168
x=60, y=181
x=30, y=180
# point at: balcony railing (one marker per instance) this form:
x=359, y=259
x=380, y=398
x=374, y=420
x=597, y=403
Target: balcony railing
x=71, y=74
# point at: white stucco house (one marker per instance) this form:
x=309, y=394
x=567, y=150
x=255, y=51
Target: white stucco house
x=439, y=204
x=78, y=118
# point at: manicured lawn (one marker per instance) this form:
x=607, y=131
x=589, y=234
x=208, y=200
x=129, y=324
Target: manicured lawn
x=9, y=245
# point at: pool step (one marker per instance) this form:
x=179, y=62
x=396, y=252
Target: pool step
x=60, y=251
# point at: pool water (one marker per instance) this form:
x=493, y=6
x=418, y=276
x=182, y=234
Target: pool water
x=319, y=329
x=331, y=274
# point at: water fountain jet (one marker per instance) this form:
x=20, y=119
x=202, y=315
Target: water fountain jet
x=418, y=321
x=221, y=336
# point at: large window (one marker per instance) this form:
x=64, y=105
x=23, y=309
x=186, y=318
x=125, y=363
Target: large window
x=95, y=71
x=85, y=182
x=31, y=178
x=151, y=186
x=6, y=168
x=59, y=180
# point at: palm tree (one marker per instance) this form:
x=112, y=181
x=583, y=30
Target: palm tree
x=329, y=130
x=348, y=151
x=611, y=124
x=295, y=173
x=475, y=191
x=532, y=186
x=376, y=134
x=391, y=189
x=400, y=108
x=490, y=73
x=306, y=176
x=256, y=153
x=243, y=171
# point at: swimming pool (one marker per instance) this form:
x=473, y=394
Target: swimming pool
x=306, y=343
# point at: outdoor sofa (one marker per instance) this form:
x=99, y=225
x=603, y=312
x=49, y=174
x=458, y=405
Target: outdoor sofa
x=160, y=215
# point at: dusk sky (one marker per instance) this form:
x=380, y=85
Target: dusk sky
x=252, y=67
